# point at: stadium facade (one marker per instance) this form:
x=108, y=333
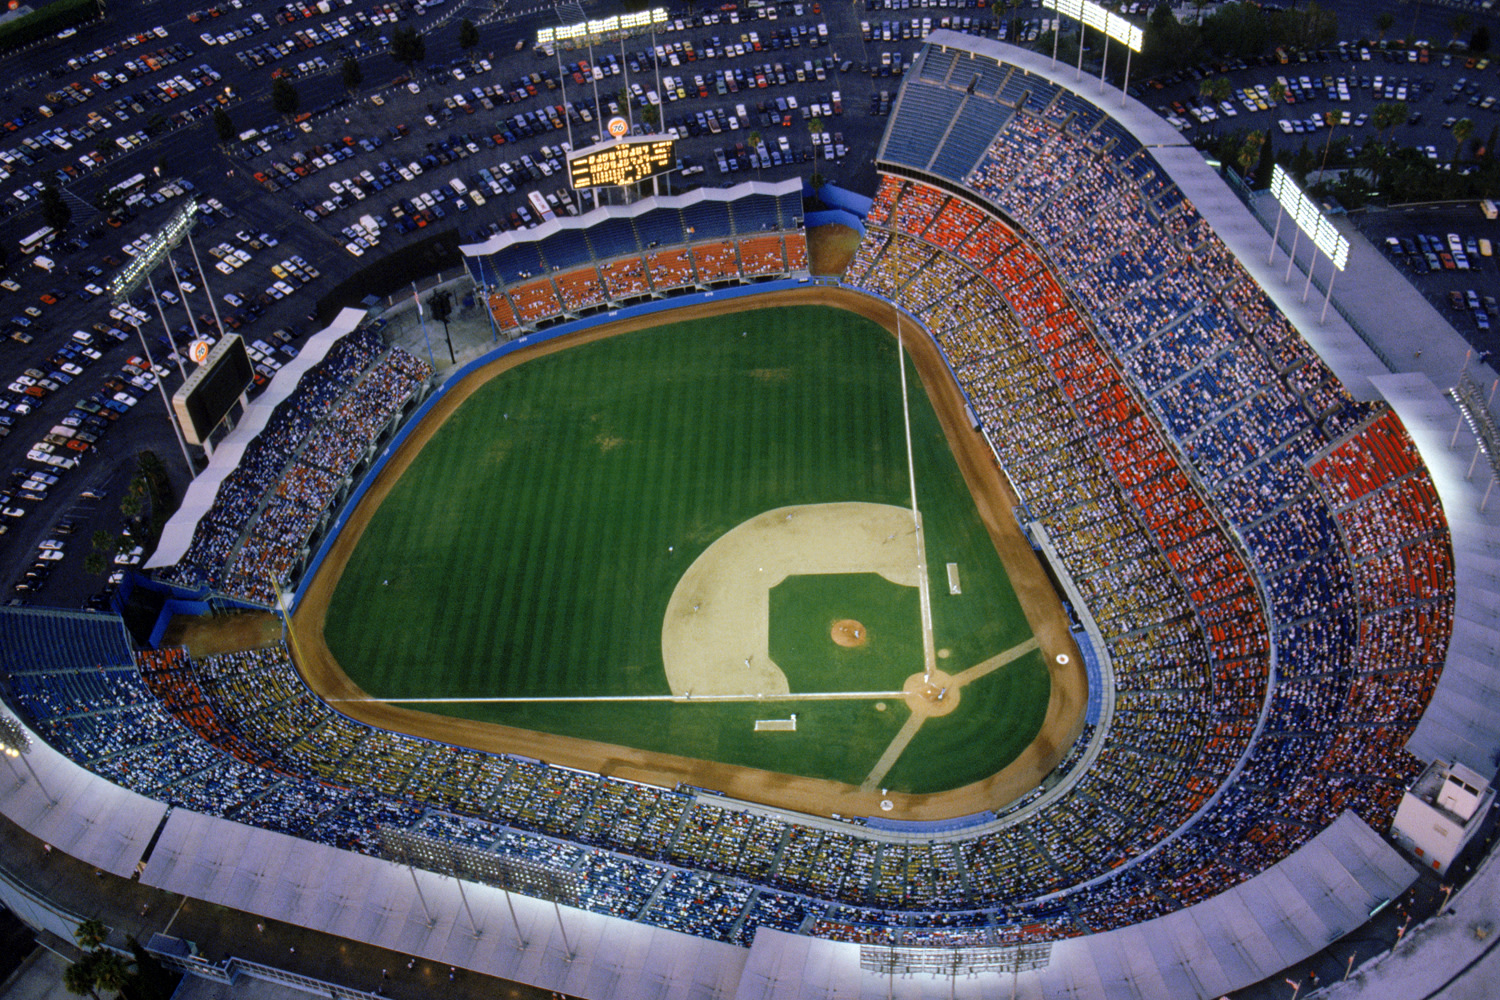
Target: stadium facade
x=1285, y=577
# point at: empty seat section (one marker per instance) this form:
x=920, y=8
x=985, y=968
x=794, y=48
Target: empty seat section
x=662, y=227
x=612, y=238
x=922, y=117
x=753, y=214
x=567, y=248
x=706, y=220
x=936, y=64
x=519, y=260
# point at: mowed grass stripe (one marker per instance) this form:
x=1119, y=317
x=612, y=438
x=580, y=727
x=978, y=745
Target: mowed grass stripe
x=529, y=555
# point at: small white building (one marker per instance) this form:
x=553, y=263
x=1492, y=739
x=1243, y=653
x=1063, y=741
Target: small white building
x=1440, y=813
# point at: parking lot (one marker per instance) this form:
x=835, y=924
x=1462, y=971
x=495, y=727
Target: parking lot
x=1465, y=282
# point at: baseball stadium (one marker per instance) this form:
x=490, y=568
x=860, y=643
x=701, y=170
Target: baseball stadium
x=1048, y=603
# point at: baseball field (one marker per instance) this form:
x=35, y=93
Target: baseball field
x=695, y=540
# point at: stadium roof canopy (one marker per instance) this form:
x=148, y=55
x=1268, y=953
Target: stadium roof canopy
x=199, y=499
x=500, y=241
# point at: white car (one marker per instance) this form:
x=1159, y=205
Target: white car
x=354, y=248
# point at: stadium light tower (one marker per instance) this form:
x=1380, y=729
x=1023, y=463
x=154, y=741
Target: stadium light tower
x=16, y=742
x=137, y=270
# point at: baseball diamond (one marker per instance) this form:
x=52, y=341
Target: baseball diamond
x=624, y=550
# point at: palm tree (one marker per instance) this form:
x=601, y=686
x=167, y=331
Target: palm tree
x=1384, y=21
x=1387, y=115
x=755, y=145
x=111, y=973
x=1462, y=129
x=78, y=978
x=91, y=933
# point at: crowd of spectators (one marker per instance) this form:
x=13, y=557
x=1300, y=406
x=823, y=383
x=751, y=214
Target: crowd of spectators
x=1158, y=314
x=267, y=509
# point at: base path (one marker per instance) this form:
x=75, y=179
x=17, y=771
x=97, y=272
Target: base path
x=992, y=497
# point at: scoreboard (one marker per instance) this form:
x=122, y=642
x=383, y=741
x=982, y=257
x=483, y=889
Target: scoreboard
x=207, y=396
x=619, y=163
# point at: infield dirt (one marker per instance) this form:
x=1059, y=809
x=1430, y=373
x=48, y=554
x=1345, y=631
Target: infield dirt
x=993, y=501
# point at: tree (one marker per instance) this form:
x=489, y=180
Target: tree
x=651, y=115
x=55, y=212
x=1249, y=154
x=1267, y=162
x=91, y=933
x=111, y=974
x=1308, y=29
x=1277, y=92
x=353, y=75
x=223, y=125
x=468, y=36
x=284, y=96
x=1480, y=40
x=78, y=978
x=1387, y=115
x=755, y=148
x=94, y=564
x=1458, y=24
x=1384, y=21
x=408, y=47
x=1462, y=129
x=441, y=304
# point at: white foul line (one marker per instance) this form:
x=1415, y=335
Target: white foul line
x=924, y=595
x=681, y=698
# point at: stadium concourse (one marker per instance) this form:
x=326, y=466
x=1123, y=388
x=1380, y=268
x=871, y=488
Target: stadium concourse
x=1282, y=570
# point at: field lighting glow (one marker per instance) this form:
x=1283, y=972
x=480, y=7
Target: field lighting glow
x=129, y=277
x=1114, y=26
x=1309, y=219
x=602, y=26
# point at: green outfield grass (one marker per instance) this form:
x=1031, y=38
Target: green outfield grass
x=531, y=548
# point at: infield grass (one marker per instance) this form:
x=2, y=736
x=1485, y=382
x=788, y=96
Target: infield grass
x=532, y=546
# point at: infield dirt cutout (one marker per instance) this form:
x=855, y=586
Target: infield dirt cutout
x=715, y=636
x=993, y=500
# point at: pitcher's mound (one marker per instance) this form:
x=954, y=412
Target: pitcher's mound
x=848, y=632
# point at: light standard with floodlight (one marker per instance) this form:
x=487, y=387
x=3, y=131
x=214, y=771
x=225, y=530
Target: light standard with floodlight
x=16, y=742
